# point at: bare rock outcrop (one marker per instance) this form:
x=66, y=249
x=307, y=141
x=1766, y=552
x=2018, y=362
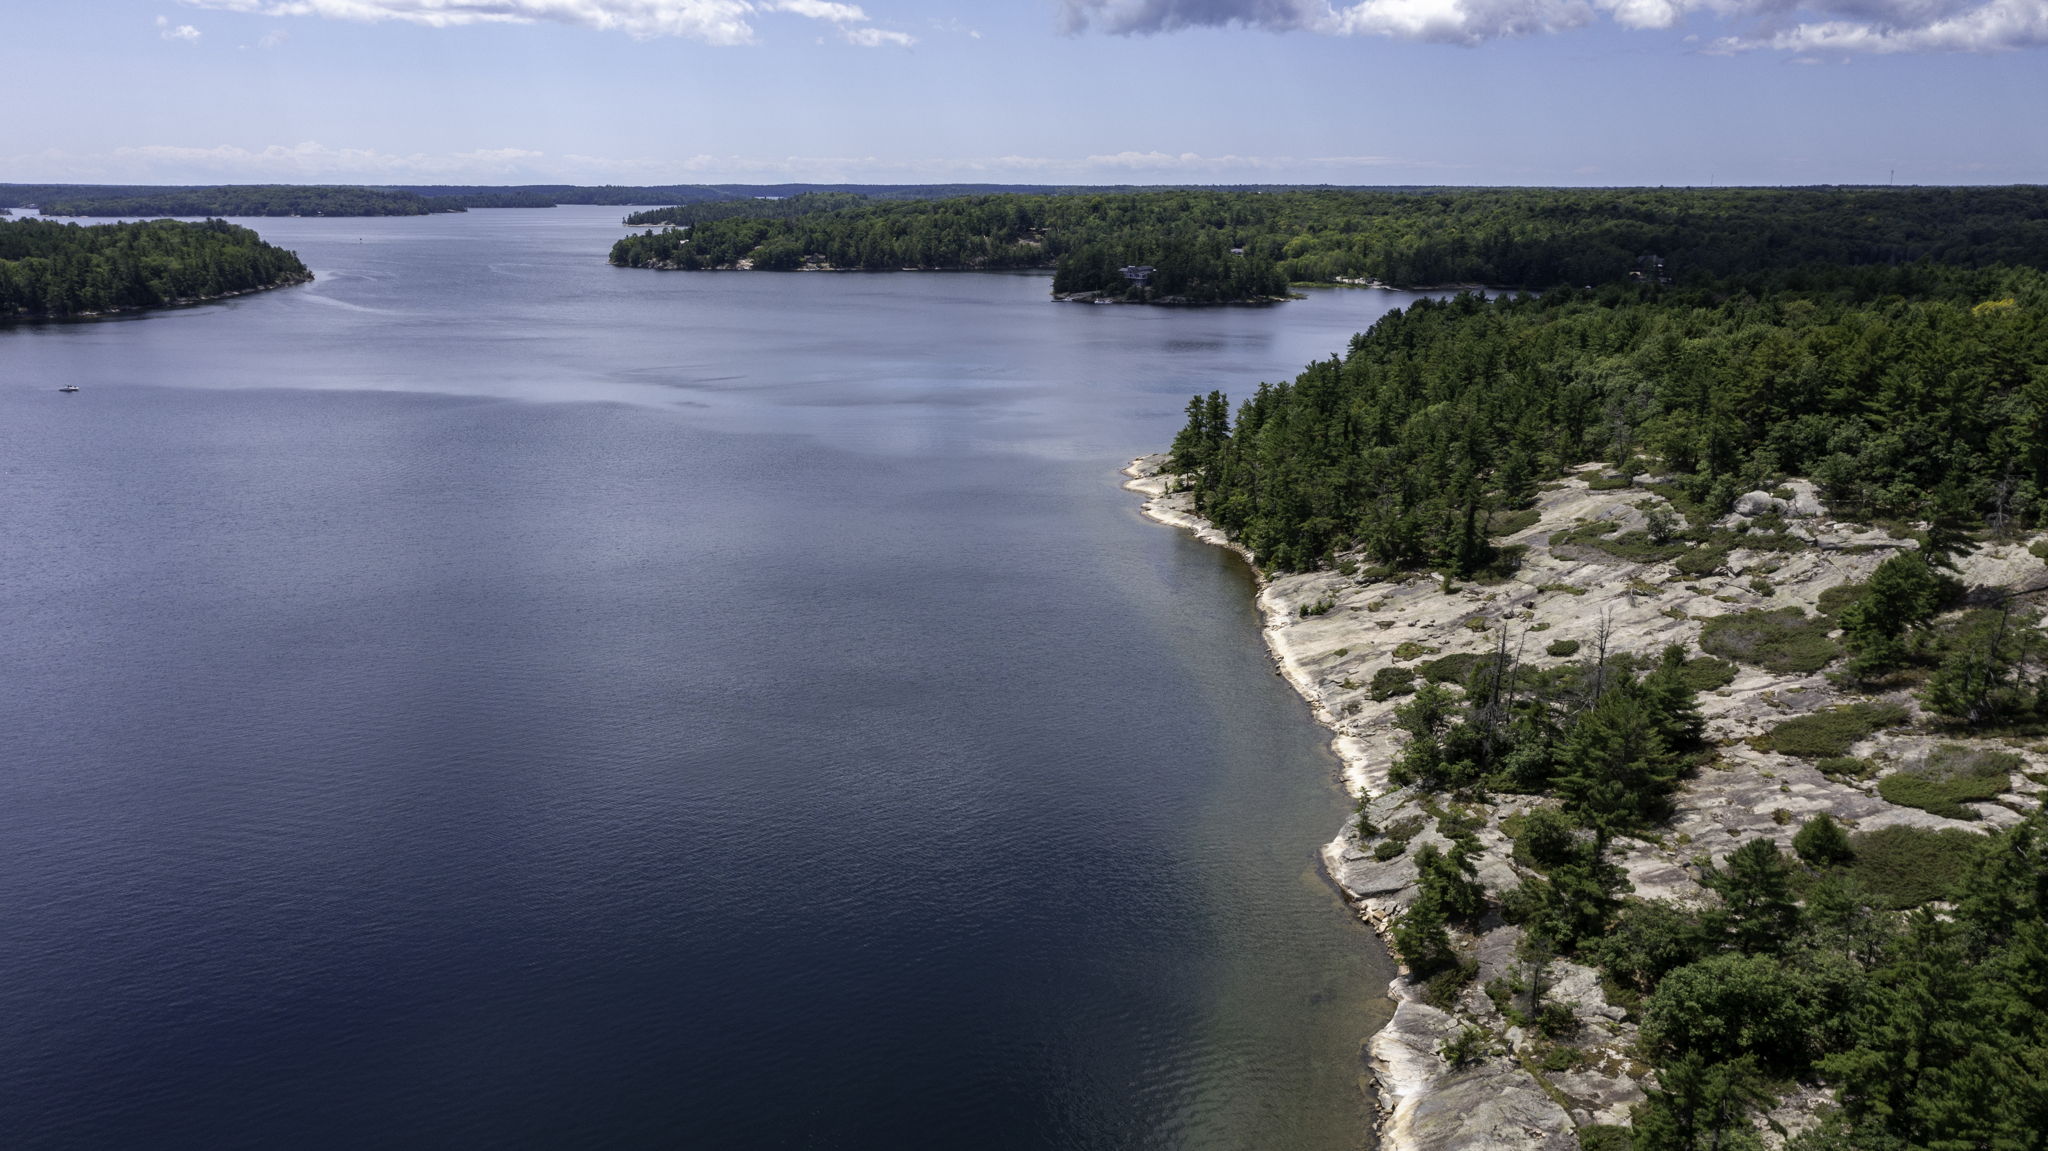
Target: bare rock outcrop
x=1331, y=631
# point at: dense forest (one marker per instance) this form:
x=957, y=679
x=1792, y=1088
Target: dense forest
x=52, y=269
x=772, y=208
x=781, y=201
x=226, y=200
x=419, y=199
x=1902, y=968
x=1906, y=393
x=1215, y=244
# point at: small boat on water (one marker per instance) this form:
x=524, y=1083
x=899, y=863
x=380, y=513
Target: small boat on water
x=68, y=388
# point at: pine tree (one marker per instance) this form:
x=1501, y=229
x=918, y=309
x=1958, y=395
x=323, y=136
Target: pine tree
x=1822, y=842
x=1903, y=595
x=1756, y=889
x=1701, y=1106
x=1620, y=769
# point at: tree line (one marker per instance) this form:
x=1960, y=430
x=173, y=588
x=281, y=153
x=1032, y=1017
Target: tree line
x=1532, y=238
x=419, y=199
x=224, y=200
x=1904, y=392
x=1913, y=393
x=53, y=269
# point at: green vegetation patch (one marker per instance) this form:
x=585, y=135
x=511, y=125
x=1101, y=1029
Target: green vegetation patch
x=1846, y=767
x=1703, y=560
x=1563, y=648
x=1952, y=776
x=1840, y=596
x=1507, y=523
x=1784, y=641
x=1410, y=649
x=1389, y=682
x=1829, y=734
x=1633, y=546
x=1705, y=673
x=1454, y=669
x=1904, y=867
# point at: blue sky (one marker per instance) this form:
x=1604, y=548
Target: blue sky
x=1027, y=91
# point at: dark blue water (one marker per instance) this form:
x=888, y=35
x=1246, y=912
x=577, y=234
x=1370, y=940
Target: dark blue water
x=491, y=699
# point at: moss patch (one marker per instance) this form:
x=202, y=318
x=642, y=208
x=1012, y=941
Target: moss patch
x=1707, y=673
x=1846, y=767
x=1952, y=776
x=1902, y=867
x=1785, y=641
x=1389, y=682
x=1840, y=596
x=1704, y=560
x=1635, y=546
x=1829, y=734
x=1454, y=669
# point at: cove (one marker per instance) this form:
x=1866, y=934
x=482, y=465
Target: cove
x=490, y=698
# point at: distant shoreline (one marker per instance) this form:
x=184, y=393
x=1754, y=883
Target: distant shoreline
x=1091, y=297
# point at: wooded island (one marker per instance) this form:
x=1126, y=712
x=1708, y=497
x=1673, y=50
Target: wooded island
x=1216, y=246
x=49, y=269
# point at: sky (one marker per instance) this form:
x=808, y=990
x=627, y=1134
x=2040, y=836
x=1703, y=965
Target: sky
x=1359, y=92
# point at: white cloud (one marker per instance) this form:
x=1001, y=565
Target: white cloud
x=1797, y=26
x=822, y=10
x=876, y=37
x=169, y=31
x=1644, y=13
x=1904, y=26
x=851, y=20
x=711, y=21
x=1173, y=15
x=1456, y=21
x=273, y=39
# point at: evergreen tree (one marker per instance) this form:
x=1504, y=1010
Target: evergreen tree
x=1822, y=842
x=1446, y=881
x=1904, y=594
x=1756, y=889
x=1701, y=1106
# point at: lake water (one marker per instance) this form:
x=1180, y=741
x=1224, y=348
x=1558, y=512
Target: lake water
x=487, y=698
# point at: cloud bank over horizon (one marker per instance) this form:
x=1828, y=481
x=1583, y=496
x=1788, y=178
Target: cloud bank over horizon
x=723, y=22
x=1845, y=26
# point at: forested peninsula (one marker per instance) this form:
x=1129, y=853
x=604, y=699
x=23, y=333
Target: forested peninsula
x=1684, y=645
x=1216, y=246
x=49, y=269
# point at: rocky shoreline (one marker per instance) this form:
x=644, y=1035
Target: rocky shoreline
x=1329, y=632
